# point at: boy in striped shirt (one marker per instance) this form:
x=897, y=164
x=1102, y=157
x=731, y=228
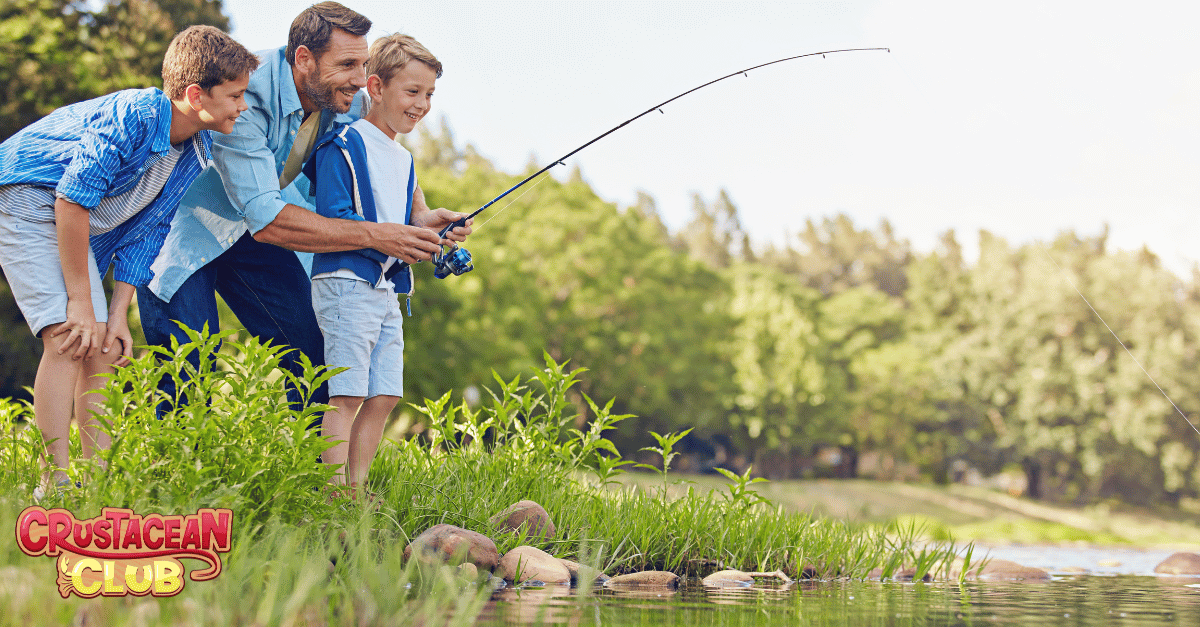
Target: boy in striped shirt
x=95, y=184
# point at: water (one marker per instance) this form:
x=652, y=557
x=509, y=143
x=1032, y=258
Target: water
x=1089, y=587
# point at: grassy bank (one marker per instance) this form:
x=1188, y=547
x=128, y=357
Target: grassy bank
x=972, y=513
x=300, y=557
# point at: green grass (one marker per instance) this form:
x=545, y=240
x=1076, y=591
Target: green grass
x=297, y=558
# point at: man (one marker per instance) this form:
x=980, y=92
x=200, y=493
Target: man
x=236, y=228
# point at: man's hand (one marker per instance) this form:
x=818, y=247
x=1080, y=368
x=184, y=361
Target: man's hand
x=409, y=244
x=438, y=219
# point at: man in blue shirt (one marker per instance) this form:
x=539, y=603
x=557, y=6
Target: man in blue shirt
x=237, y=227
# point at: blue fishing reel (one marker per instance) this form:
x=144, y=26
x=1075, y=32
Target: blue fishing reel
x=456, y=262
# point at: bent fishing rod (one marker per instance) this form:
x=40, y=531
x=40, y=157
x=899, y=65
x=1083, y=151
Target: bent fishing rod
x=457, y=261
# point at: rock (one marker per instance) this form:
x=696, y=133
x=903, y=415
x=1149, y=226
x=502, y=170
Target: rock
x=1004, y=570
x=526, y=563
x=1180, y=564
x=532, y=516
x=727, y=578
x=645, y=579
x=580, y=573
x=904, y=574
x=468, y=571
x=450, y=544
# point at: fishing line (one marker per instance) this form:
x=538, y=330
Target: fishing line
x=1114, y=334
x=457, y=260
x=501, y=209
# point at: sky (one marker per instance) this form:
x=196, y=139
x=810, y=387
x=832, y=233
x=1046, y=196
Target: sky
x=1020, y=118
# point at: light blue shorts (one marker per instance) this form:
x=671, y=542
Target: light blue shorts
x=29, y=257
x=364, y=331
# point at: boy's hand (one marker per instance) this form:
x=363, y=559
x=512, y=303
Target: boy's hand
x=80, y=326
x=438, y=219
x=118, y=331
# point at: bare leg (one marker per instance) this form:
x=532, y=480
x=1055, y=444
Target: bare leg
x=88, y=392
x=53, y=398
x=366, y=434
x=336, y=425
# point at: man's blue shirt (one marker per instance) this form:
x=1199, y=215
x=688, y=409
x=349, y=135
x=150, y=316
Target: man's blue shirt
x=101, y=147
x=241, y=193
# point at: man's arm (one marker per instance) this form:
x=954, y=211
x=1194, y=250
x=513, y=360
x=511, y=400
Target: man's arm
x=297, y=228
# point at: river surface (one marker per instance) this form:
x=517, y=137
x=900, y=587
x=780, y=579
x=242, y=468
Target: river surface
x=1089, y=587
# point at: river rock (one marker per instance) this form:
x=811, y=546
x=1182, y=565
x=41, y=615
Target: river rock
x=450, y=544
x=1004, y=570
x=645, y=579
x=580, y=573
x=532, y=516
x=727, y=578
x=526, y=563
x=1180, y=564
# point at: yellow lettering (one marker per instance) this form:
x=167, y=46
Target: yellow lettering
x=77, y=576
x=166, y=577
x=131, y=580
x=110, y=572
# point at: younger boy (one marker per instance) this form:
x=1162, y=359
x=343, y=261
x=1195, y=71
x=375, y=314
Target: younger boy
x=96, y=184
x=359, y=172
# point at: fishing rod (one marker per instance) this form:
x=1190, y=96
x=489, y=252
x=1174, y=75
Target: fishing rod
x=457, y=260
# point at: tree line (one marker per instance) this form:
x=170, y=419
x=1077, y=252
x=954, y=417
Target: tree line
x=841, y=342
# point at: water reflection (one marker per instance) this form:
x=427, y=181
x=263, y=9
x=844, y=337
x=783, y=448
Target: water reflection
x=1122, y=601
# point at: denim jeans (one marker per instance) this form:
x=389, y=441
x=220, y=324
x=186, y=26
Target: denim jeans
x=266, y=288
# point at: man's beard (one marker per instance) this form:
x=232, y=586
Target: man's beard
x=324, y=95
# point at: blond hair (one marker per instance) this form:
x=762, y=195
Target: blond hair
x=204, y=56
x=390, y=54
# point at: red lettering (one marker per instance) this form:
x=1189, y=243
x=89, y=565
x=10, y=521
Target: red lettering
x=30, y=517
x=171, y=535
x=83, y=534
x=101, y=531
x=153, y=522
x=215, y=529
x=60, y=530
x=133, y=534
x=116, y=516
x=191, y=534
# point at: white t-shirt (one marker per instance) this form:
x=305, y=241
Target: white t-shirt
x=388, y=166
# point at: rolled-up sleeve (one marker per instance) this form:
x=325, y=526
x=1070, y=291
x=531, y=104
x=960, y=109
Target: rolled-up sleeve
x=248, y=170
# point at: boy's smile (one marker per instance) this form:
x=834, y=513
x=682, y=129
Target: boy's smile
x=403, y=101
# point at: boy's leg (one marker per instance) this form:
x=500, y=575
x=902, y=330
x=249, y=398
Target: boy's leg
x=269, y=291
x=336, y=425
x=88, y=392
x=366, y=434
x=53, y=398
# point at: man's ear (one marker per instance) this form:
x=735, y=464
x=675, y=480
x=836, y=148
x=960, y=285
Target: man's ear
x=305, y=59
x=191, y=94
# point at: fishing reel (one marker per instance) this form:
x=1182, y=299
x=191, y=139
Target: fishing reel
x=457, y=262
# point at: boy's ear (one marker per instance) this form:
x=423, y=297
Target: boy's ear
x=191, y=93
x=375, y=87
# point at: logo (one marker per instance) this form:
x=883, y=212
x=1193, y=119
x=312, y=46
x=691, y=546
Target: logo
x=120, y=552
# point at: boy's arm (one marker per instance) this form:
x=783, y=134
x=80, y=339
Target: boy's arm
x=107, y=141
x=118, y=322
x=437, y=219
x=71, y=221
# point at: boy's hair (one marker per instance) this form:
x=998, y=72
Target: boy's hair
x=313, y=28
x=204, y=56
x=390, y=54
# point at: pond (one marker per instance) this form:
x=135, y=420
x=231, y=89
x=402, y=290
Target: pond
x=1088, y=587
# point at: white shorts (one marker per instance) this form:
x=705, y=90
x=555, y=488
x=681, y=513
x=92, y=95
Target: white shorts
x=29, y=258
x=364, y=331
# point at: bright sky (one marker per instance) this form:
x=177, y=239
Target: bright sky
x=1021, y=118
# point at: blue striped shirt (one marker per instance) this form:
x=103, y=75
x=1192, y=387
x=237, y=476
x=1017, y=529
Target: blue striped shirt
x=100, y=148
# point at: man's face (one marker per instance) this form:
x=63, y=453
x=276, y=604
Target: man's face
x=338, y=74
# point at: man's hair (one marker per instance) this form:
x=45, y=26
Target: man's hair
x=204, y=56
x=313, y=28
x=389, y=54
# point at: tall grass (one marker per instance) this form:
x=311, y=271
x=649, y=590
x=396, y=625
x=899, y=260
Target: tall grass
x=231, y=439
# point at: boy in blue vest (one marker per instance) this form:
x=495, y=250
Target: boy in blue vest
x=359, y=172
x=95, y=184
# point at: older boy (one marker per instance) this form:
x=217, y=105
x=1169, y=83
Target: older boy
x=96, y=184
x=359, y=172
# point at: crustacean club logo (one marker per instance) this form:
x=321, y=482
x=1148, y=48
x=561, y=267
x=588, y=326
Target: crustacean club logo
x=120, y=552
